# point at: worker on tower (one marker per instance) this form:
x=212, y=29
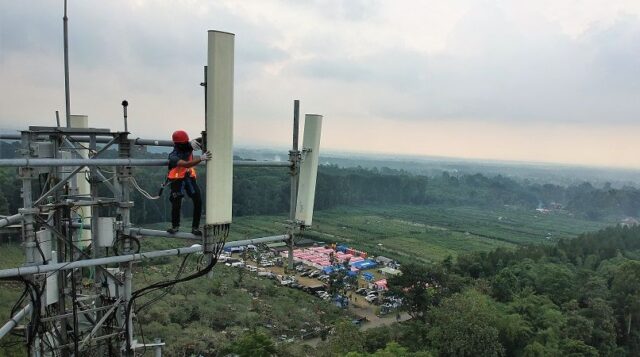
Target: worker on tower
x=182, y=179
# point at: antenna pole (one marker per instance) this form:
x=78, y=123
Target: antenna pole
x=296, y=123
x=294, y=157
x=125, y=104
x=65, y=21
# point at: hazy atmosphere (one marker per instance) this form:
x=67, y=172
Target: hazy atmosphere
x=551, y=81
x=467, y=183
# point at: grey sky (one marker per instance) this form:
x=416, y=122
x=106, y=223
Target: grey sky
x=442, y=68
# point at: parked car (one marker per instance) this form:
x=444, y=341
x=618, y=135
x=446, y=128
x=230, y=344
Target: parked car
x=286, y=282
x=362, y=291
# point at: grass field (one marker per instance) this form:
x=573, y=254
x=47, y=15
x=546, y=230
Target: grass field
x=421, y=233
x=425, y=233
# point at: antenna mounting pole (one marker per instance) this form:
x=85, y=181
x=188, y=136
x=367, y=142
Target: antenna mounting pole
x=125, y=104
x=67, y=98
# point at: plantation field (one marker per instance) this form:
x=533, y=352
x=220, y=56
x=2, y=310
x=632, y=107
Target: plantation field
x=425, y=233
x=421, y=233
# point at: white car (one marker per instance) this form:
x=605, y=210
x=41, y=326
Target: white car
x=371, y=298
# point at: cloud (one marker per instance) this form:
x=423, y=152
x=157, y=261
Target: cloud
x=500, y=73
x=412, y=61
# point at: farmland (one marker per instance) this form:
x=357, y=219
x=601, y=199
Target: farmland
x=427, y=233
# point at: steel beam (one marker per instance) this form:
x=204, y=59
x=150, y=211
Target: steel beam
x=99, y=323
x=6, y=328
x=157, y=233
x=103, y=179
x=196, y=248
x=120, y=162
x=85, y=139
x=8, y=220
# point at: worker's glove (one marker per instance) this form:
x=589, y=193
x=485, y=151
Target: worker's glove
x=196, y=144
x=206, y=156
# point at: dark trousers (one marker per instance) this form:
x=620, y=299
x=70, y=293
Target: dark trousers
x=189, y=186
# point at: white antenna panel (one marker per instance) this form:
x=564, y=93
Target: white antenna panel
x=43, y=237
x=106, y=231
x=219, y=127
x=308, y=169
x=52, y=282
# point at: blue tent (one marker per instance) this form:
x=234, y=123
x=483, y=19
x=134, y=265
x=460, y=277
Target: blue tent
x=367, y=276
x=364, y=264
x=327, y=270
x=234, y=249
x=341, y=301
x=341, y=248
x=352, y=273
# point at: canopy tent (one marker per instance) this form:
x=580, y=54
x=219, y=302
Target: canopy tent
x=367, y=276
x=365, y=264
x=390, y=271
x=381, y=284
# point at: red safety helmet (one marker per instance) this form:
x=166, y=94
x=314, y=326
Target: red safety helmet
x=180, y=137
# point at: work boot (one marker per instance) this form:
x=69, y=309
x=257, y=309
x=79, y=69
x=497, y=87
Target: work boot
x=173, y=230
x=196, y=232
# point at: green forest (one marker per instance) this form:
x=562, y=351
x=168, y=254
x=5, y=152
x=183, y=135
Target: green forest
x=259, y=191
x=484, y=273
x=577, y=298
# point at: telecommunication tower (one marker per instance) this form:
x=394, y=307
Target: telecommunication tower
x=69, y=231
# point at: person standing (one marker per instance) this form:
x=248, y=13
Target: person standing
x=182, y=179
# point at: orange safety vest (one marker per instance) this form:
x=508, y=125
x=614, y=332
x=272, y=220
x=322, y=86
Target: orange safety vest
x=180, y=172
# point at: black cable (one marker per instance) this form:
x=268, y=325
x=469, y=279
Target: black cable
x=54, y=328
x=168, y=289
x=74, y=303
x=157, y=286
x=44, y=260
x=122, y=239
x=35, y=325
x=35, y=295
x=18, y=303
x=144, y=349
x=221, y=232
